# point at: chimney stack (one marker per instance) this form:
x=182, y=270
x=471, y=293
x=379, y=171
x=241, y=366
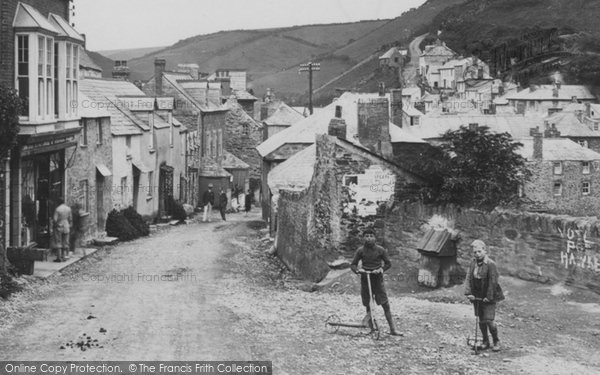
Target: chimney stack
x=337, y=128
x=538, y=143
x=159, y=69
x=588, y=110
x=374, y=126
x=121, y=70
x=396, y=107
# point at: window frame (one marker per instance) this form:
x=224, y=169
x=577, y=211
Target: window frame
x=557, y=168
x=586, y=185
x=560, y=188
x=586, y=167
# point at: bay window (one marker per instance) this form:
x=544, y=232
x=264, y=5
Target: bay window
x=23, y=72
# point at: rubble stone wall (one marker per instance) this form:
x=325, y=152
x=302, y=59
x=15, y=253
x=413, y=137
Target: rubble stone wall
x=537, y=247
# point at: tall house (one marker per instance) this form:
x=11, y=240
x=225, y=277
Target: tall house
x=39, y=57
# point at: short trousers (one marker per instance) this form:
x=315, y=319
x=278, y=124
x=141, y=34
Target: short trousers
x=61, y=240
x=485, y=310
x=377, y=286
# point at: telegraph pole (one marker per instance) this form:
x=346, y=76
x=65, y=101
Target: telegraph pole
x=310, y=67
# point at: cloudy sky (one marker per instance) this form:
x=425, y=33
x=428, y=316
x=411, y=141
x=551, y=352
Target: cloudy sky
x=117, y=24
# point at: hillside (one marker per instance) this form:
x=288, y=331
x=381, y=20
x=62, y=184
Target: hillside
x=262, y=52
x=128, y=54
x=103, y=62
x=398, y=31
x=272, y=56
x=480, y=27
x=486, y=22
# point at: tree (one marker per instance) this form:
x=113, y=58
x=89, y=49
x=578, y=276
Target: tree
x=476, y=168
x=10, y=108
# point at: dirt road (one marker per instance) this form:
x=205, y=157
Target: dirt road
x=227, y=300
x=155, y=298
x=410, y=70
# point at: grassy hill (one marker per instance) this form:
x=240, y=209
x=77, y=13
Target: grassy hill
x=103, y=62
x=128, y=54
x=272, y=56
x=262, y=52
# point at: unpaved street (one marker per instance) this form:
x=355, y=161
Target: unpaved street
x=223, y=298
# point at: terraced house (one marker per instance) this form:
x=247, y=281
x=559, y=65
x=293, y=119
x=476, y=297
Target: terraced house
x=40, y=58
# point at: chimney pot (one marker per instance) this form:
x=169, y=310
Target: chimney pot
x=338, y=111
x=120, y=70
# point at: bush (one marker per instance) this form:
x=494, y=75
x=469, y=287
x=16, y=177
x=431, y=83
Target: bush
x=118, y=226
x=176, y=210
x=137, y=221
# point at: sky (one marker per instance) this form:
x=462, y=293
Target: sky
x=125, y=24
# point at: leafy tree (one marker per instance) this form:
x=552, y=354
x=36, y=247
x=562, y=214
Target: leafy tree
x=475, y=168
x=10, y=107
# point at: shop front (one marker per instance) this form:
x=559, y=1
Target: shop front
x=38, y=183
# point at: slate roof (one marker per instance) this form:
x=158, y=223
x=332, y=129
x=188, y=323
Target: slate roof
x=437, y=50
x=295, y=173
x=103, y=93
x=86, y=110
x=244, y=95
x=304, y=131
x=558, y=149
x=230, y=161
x=284, y=115
x=569, y=125
x=545, y=92
x=28, y=17
x=210, y=168
x=86, y=62
x=64, y=28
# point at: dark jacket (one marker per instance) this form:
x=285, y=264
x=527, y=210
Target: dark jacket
x=208, y=197
x=248, y=202
x=489, y=276
x=223, y=200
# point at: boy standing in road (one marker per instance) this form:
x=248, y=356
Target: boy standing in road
x=373, y=258
x=481, y=288
x=222, y=203
x=208, y=199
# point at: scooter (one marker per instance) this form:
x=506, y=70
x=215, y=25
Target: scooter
x=474, y=343
x=333, y=322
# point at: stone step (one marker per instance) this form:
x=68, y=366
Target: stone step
x=105, y=241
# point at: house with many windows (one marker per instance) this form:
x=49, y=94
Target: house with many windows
x=40, y=59
x=565, y=176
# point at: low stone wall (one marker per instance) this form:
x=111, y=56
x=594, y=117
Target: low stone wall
x=530, y=246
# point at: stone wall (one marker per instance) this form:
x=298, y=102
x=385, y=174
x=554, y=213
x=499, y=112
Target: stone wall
x=81, y=166
x=537, y=247
x=349, y=191
x=242, y=135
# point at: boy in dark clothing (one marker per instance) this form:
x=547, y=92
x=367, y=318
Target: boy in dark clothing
x=222, y=203
x=482, y=283
x=373, y=258
x=248, y=202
